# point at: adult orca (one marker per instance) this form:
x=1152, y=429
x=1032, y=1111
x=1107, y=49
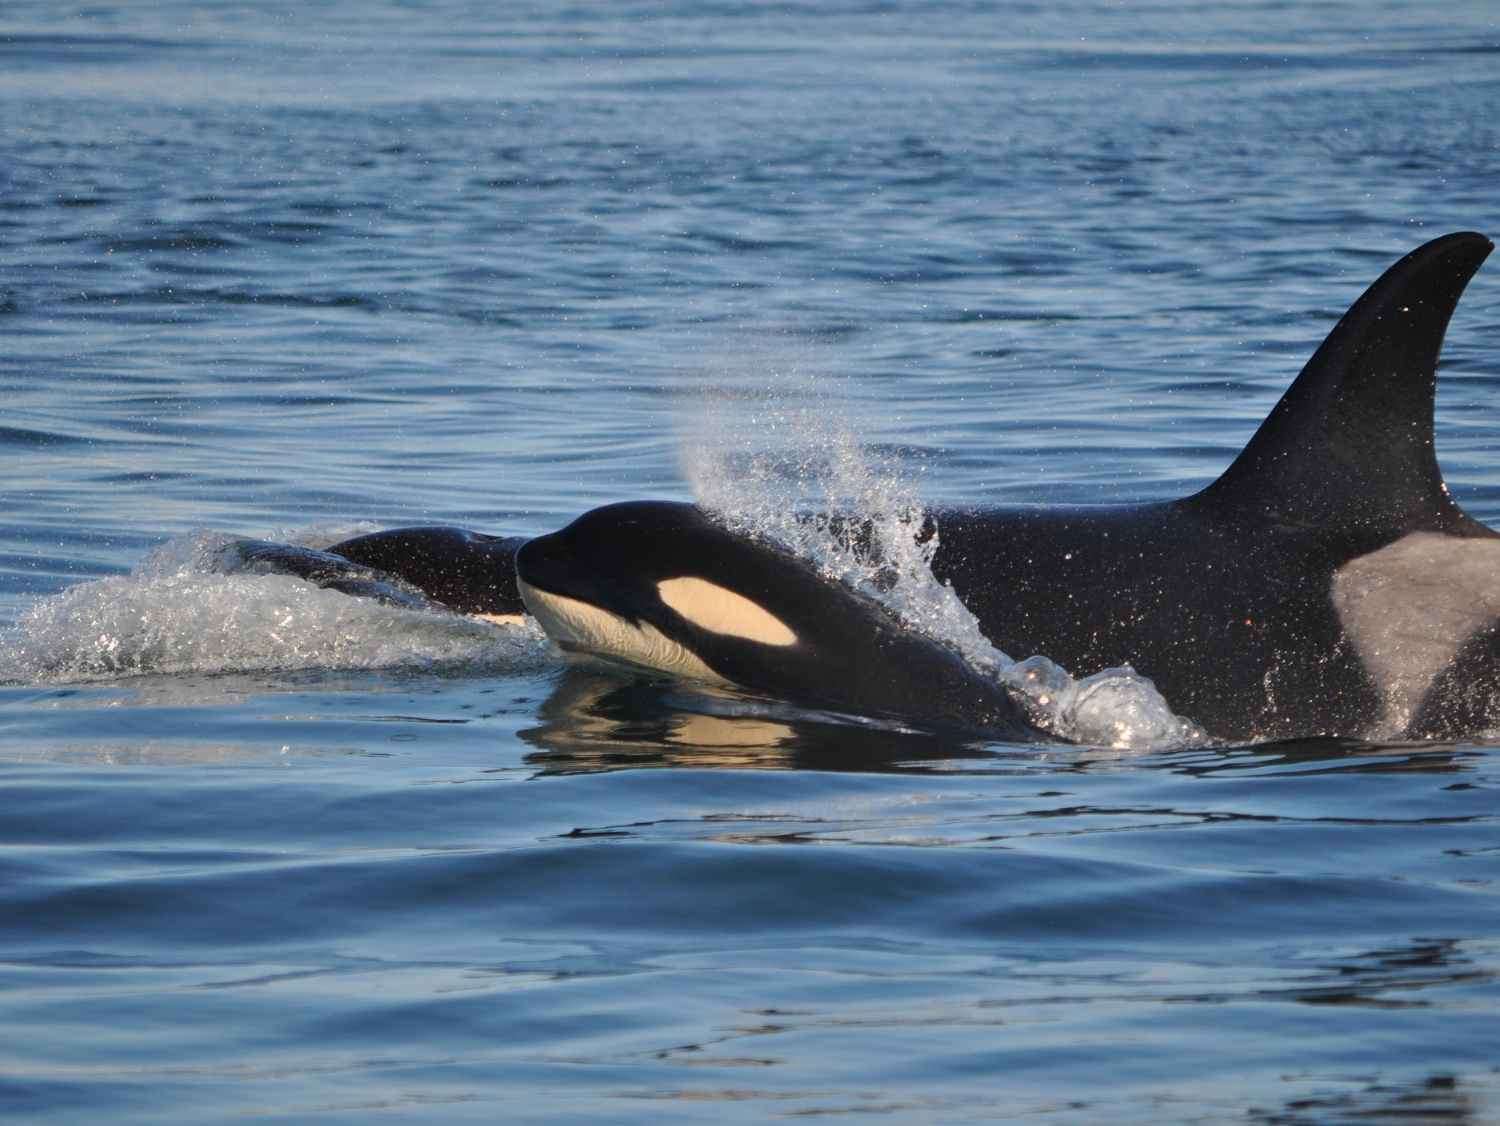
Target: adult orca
x=660, y=585
x=1325, y=584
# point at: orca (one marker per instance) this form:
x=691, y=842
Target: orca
x=662, y=586
x=594, y=719
x=431, y=568
x=1326, y=584
x=468, y=572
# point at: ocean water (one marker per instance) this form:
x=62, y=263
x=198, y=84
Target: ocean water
x=270, y=853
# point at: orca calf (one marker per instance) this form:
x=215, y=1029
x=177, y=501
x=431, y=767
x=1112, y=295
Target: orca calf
x=660, y=585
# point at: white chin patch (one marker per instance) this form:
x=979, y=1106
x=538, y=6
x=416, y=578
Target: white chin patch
x=586, y=628
x=711, y=607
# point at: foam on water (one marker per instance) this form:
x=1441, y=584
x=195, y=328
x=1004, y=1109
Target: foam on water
x=760, y=462
x=179, y=612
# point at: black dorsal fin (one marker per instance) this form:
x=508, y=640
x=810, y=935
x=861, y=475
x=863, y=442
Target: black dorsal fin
x=1350, y=444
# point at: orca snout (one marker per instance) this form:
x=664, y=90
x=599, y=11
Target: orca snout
x=579, y=569
x=545, y=563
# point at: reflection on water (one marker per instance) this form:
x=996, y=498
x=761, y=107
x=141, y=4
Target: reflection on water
x=601, y=719
x=470, y=264
x=598, y=717
x=1335, y=755
x=1439, y=1098
x=1368, y=978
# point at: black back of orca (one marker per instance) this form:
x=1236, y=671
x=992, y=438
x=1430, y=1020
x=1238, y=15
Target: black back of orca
x=322, y=568
x=424, y=567
x=469, y=572
x=1326, y=583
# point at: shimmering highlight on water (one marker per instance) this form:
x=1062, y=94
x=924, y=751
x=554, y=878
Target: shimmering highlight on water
x=264, y=268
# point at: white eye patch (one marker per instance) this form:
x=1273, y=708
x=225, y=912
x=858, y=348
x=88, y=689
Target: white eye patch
x=709, y=606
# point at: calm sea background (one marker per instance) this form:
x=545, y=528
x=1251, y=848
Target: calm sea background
x=268, y=853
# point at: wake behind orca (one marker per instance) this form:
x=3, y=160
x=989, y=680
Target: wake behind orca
x=1326, y=584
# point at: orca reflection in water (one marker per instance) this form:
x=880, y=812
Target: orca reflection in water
x=660, y=585
x=598, y=718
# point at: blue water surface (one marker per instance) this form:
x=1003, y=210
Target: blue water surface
x=291, y=269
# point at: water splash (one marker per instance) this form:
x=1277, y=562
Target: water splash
x=179, y=612
x=805, y=459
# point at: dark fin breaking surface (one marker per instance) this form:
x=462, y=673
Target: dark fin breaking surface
x=321, y=568
x=1351, y=443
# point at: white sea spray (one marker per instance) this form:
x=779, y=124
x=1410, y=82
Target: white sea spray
x=178, y=611
x=768, y=462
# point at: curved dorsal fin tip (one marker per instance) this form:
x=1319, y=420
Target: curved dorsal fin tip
x=1351, y=441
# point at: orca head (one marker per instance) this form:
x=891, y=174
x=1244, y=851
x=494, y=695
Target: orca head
x=660, y=585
